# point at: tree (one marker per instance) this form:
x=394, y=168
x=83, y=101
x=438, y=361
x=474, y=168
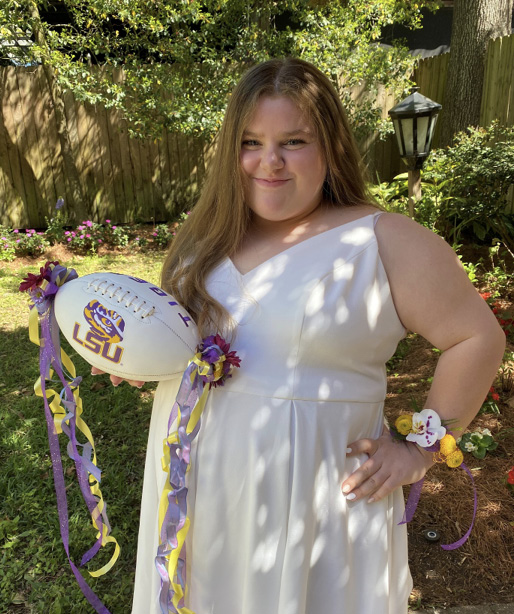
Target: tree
x=179, y=59
x=475, y=22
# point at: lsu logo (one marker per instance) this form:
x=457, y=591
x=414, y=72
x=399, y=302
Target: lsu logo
x=106, y=329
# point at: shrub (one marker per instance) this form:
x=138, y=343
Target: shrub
x=162, y=235
x=114, y=236
x=55, y=225
x=7, y=245
x=87, y=237
x=464, y=187
x=31, y=243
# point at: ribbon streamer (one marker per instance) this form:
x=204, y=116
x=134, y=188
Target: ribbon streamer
x=211, y=364
x=63, y=414
x=413, y=500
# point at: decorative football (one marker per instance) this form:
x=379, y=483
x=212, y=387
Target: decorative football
x=126, y=326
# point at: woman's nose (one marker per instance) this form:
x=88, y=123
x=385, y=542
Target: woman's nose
x=272, y=159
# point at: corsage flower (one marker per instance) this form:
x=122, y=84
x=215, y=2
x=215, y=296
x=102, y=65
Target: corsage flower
x=215, y=360
x=426, y=428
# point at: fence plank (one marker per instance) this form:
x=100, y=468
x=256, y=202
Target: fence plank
x=49, y=140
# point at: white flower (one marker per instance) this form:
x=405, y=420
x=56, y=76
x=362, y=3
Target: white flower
x=427, y=428
x=470, y=447
x=486, y=432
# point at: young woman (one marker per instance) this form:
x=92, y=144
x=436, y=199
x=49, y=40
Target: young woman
x=295, y=492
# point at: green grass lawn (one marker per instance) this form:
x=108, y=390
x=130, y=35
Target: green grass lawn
x=34, y=573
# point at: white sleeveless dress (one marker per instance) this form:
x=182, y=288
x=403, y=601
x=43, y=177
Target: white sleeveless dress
x=271, y=531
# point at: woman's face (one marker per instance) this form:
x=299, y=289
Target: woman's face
x=282, y=162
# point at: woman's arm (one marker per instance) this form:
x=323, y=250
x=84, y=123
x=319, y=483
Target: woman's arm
x=433, y=297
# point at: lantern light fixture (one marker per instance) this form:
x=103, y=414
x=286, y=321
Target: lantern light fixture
x=414, y=120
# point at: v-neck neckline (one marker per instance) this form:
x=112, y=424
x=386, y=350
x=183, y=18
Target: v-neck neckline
x=295, y=245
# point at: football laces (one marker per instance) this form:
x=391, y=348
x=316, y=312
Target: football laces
x=131, y=300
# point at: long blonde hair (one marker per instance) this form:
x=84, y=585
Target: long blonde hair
x=219, y=220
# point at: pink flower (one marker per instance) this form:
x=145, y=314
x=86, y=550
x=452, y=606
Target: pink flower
x=16, y=231
x=89, y=223
x=69, y=239
x=99, y=240
x=88, y=236
x=113, y=227
x=107, y=221
x=81, y=236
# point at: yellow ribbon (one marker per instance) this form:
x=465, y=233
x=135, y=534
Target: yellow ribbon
x=172, y=558
x=59, y=413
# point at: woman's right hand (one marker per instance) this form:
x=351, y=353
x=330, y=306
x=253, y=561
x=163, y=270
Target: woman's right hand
x=116, y=381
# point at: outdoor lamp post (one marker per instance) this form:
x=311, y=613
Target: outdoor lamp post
x=414, y=121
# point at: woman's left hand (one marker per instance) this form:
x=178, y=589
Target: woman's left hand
x=390, y=464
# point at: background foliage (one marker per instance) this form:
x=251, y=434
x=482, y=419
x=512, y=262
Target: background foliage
x=181, y=58
x=464, y=188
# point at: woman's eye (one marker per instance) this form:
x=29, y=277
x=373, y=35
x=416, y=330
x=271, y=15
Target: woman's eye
x=250, y=143
x=293, y=142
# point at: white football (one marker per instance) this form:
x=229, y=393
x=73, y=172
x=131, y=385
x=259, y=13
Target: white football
x=126, y=326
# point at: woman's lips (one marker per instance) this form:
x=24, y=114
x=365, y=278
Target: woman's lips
x=270, y=183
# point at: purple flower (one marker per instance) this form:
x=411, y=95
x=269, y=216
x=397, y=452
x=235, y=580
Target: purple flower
x=59, y=204
x=216, y=351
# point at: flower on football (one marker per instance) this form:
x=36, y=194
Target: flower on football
x=426, y=428
x=34, y=281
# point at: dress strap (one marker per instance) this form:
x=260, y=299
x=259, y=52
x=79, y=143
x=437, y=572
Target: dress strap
x=376, y=216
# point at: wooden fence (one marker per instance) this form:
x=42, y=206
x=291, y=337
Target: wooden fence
x=129, y=180
x=124, y=179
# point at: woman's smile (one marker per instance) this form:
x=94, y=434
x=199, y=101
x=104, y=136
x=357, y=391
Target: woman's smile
x=282, y=162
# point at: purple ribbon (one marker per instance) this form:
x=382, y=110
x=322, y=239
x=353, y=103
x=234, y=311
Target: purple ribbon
x=190, y=390
x=49, y=357
x=211, y=349
x=413, y=500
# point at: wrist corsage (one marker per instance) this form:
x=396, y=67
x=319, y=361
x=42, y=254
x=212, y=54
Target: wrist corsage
x=427, y=430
